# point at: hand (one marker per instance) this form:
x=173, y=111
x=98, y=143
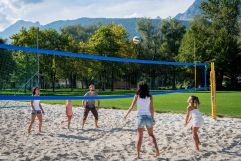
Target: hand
x=125, y=117
x=43, y=112
x=185, y=124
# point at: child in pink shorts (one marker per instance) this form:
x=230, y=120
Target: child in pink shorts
x=69, y=112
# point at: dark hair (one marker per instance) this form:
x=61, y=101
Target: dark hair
x=195, y=99
x=143, y=90
x=34, y=90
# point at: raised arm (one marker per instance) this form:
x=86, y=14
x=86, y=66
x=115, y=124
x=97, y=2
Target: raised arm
x=132, y=106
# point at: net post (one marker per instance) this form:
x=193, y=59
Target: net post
x=195, y=76
x=38, y=75
x=213, y=91
x=205, y=76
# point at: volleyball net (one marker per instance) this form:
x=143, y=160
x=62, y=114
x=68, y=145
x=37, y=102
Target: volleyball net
x=65, y=75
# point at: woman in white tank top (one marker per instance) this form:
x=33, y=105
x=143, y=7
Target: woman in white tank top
x=37, y=110
x=195, y=115
x=145, y=115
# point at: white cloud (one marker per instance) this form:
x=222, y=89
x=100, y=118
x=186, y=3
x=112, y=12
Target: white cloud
x=133, y=15
x=3, y=21
x=46, y=11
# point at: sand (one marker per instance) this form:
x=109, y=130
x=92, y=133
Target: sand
x=114, y=140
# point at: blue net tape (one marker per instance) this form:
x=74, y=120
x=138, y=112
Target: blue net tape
x=95, y=57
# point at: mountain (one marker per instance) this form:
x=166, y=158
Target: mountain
x=128, y=23
x=14, y=28
x=191, y=12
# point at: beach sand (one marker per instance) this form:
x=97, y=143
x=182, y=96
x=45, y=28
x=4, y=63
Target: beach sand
x=114, y=140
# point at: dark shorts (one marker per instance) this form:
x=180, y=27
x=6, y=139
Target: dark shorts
x=93, y=110
x=145, y=121
x=38, y=112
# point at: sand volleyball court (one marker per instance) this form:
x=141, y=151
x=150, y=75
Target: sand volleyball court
x=114, y=140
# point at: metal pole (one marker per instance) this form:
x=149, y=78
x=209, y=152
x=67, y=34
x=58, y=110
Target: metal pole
x=205, y=77
x=195, y=68
x=38, y=58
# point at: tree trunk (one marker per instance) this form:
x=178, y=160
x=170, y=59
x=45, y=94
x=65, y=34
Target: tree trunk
x=103, y=80
x=71, y=82
x=174, y=79
x=74, y=80
x=53, y=82
x=82, y=83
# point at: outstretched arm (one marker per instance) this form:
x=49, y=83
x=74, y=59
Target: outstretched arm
x=132, y=106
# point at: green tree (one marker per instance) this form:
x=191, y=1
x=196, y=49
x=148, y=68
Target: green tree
x=108, y=40
x=51, y=67
x=148, y=49
x=214, y=39
x=25, y=74
x=7, y=67
x=199, y=38
x=223, y=15
x=149, y=36
x=197, y=45
x=76, y=68
x=80, y=33
x=172, y=33
x=71, y=69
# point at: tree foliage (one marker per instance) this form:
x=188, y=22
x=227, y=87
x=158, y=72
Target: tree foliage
x=7, y=66
x=214, y=37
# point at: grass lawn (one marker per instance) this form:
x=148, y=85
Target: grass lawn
x=228, y=103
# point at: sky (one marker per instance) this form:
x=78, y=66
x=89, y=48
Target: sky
x=46, y=11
